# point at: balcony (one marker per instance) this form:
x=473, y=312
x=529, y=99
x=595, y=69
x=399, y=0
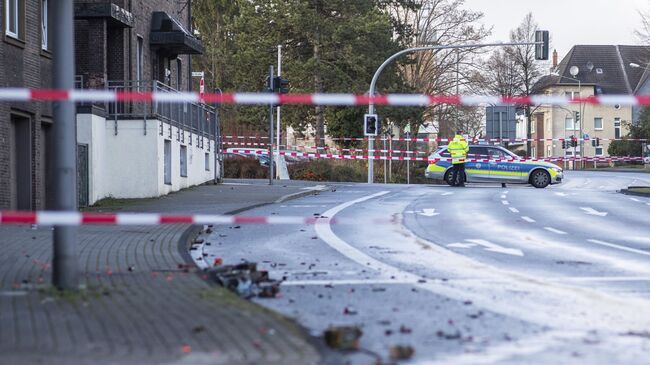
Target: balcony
x=196, y=118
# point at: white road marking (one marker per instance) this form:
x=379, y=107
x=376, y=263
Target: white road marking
x=601, y=278
x=528, y=219
x=493, y=247
x=236, y=184
x=628, y=249
x=592, y=211
x=514, y=210
x=303, y=206
x=551, y=229
x=348, y=282
x=428, y=212
x=561, y=194
x=635, y=200
x=505, y=202
x=447, y=193
x=316, y=188
x=503, y=196
x=461, y=245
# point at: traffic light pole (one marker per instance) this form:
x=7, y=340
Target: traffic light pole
x=277, y=145
x=64, y=259
x=375, y=78
x=271, y=170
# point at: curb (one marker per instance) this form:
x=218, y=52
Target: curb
x=628, y=192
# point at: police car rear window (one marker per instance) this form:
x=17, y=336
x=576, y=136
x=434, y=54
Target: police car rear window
x=444, y=153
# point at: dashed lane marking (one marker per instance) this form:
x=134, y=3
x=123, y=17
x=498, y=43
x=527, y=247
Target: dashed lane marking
x=557, y=231
x=528, y=219
x=505, y=202
x=514, y=210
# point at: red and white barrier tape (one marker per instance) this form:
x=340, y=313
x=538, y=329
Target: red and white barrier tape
x=98, y=95
x=474, y=140
x=52, y=218
x=351, y=150
x=434, y=160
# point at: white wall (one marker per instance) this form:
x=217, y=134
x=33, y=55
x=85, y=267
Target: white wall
x=131, y=163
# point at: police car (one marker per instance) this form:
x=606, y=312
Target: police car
x=500, y=166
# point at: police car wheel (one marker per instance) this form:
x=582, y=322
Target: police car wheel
x=540, y=179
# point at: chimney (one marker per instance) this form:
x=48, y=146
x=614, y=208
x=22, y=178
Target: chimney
x=554, y=58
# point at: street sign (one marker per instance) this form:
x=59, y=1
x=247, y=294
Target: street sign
x=198, y=74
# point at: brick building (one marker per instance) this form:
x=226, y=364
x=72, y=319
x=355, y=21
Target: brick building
x=25, y=61
x=124, y=150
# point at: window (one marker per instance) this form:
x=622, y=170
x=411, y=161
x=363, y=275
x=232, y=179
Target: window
x=617, y=128
x=168, y=162
x=496, y=153
x=12, y=11
x=598, y=123
x=599, y=151
x=139, y=59
x=569, y=123
x=477, y=152
x=179, y=74
x=572, y=94
x=183, y=161
x=44, y=24
x=207, y=162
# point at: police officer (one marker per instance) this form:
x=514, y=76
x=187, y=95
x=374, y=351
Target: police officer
x=458, y=148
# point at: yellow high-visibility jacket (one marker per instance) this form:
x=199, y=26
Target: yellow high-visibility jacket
x=458, y=148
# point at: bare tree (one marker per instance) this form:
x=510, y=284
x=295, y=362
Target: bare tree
x=643, y=33
x=441, y=22
x=528, y=69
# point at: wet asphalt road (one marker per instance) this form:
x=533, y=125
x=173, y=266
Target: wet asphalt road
x=482, y=274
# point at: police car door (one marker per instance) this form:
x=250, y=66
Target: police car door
x=477, y=170
x=501, y=169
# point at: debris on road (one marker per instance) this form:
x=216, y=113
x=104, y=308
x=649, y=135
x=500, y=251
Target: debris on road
x=245, y=280
x=401, y=352
x=350, y=311
x=343, y=338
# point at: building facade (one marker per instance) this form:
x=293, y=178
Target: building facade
x=124, y=149
x=25, y=137
x=597, y=70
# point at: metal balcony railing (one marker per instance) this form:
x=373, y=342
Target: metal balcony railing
x=196, y=118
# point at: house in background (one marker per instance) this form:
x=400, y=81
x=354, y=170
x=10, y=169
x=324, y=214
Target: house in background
x=601, y=70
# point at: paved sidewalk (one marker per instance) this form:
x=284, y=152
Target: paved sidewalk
x=139, y=305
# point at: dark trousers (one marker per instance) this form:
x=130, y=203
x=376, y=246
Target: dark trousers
x=458, y=174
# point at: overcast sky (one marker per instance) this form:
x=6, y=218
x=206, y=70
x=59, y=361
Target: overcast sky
x=570, y=22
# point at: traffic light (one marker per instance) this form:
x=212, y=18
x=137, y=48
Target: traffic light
x=280, y=85
x=370, y=125
x=270, y=84
x=541, y=49
x=564, y=144
x=574, y=141
x=577, y=118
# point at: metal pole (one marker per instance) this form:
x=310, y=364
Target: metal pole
x=278, y=121
x=271, y=170
x=375, y=77
x=217, y=139
x=408, y=162
x=582, y=117
x=64, y=260
x=384, y=147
